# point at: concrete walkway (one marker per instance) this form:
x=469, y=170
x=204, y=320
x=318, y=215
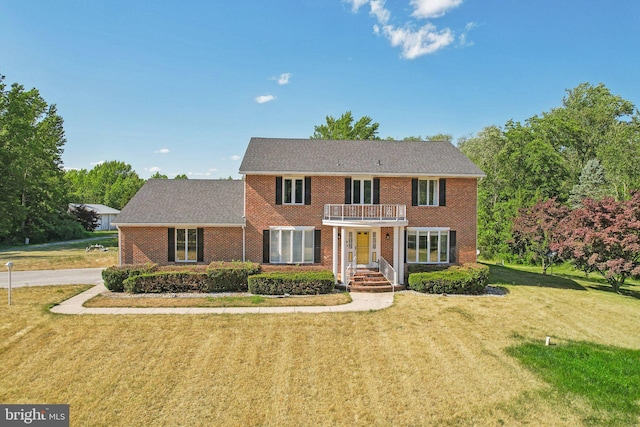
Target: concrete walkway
x=360, y=302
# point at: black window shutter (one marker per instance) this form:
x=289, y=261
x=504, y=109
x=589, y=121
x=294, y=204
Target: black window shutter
x=406, y=237
x=442, y=193
x=376, y=191
x=265, y=247
x=317, y=247
x=307, y=190
x=278, y=190
x=200, y=241
x=414, y=192
x=172, y=245
x=452, y=247
x=347, y=191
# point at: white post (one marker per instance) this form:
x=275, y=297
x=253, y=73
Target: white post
x=343, y=256
x=9, y=266
x=335, y=253
x=396, y=255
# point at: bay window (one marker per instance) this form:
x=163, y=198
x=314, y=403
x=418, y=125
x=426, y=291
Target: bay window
x=428, y=245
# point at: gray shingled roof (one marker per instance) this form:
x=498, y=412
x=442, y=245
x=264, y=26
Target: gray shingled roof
x=185, y=201
x=315, y=156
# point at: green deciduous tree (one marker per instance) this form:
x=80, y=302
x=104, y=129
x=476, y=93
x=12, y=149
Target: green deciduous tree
x=344, y=128
x=112, y=183
x=32, y=191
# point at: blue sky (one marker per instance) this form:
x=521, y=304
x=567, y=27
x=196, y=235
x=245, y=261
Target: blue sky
x=181, y=86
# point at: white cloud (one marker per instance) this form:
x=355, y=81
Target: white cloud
x=415, y=43
x=264, y=98
x=462, y=38
x=199, y=173
x=284, y=78
x=99, y=162
x=426, y=39
x=235, y=157
x=356, y=4
x=433, y=8
x=153, y=169
x=379, y=11
x=162, y=151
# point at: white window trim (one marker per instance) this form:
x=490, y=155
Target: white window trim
x=293, y=190
x=437, y=192
x=290, y=228
x=361, y=178
x=186, y=243
x=428, y=230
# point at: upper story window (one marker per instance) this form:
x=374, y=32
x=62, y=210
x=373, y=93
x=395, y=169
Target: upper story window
x=293, y=190
x=362, y=191
x=428, y=192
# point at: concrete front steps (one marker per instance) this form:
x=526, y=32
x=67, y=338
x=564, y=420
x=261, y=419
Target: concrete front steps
x=371, y=281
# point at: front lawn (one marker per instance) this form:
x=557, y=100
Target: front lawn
x=59, y=256
x=428, y=360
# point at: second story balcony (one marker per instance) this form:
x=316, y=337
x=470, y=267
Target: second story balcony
x=380, y=215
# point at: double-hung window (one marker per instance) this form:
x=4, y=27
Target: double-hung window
x=293, y=191
x=428, y=245
x=186, y=245
x=291, y=245
x=428, y=192
x=362, y=191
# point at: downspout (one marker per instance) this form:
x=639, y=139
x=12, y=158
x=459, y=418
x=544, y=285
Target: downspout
x=244, y=219
x=244, y=242
x=119, y=246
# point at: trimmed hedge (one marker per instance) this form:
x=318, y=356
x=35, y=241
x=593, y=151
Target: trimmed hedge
x=307, y=283
x=169, y=281
x=216, y=277
x=115, y=276
x=466, y=279
x=231, y=276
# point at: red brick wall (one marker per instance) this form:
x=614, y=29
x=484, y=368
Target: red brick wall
x=261, y=212
x=139, y=245
x=459, y=214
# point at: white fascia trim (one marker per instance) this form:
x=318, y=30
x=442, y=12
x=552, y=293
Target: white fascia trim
x=178, y=225
x=289, y=227
x=428, y=228
x=371, y=173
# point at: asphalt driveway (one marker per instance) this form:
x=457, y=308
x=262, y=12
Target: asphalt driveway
x=80, y=276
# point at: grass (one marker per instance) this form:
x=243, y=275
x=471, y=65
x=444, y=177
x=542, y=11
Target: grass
x=607, y=377
x=428, y=360
x=125, y=300
x=64, y=255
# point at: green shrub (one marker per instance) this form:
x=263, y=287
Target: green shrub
x=168, y=281
x=115, y=276
x=231, y=276
x=467, y=279
x=307, y=283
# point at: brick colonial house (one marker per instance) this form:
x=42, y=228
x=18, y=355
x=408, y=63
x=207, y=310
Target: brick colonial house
x=340, y=204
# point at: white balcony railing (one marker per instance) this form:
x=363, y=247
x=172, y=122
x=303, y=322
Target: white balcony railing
x=365, y=212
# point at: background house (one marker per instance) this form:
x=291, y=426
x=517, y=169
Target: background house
x=106, y=215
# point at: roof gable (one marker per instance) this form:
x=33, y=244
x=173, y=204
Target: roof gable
x=185, y=201
x=326, y=157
